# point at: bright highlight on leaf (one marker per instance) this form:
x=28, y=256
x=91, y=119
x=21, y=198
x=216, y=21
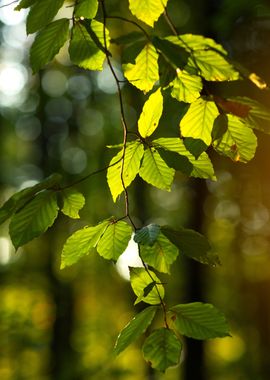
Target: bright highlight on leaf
x=41, y=13
x=114, y=240
x=161, y=255
x=147, y=11
x=186, y=87
x=86, y=8
x=134, y=329
x=34, y=219
x=84, y=46
x=155, y=171
x=140, y=279
x=144, y=73
x=162, y=349
x=73, y=203
x=199, y=119
x=48, y=43
x=124, y=169
x=199, y=321
x=238, y=142
x=151, y=113
x=80, y=243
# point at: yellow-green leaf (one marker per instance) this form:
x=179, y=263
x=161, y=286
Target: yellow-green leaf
x=73, y=202
x=86, y=8
x=124, y=168
x=143, y=74
x=186, y=87
x=80, y=243
x=147, y=11
x=83, y=49
x=196, y=42
x=48, y=43
x=140, y=279
x=155, y=171
x=199, y=119
x=151, y=113
x=238, y=142
x=34, y=218
x=114, y=240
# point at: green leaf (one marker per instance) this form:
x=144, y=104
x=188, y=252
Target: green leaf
x=114, y=240
x=161, y=255
x=212, y=66
x=80, y=243
x=191, y=244
x=162, y=349
x=155, y=171
x=83, y=49
x=41, y=13
x=128, y=38
x=186, y=87
x=147, y=235
x=24, y=4
x=151, y=113
x=196, y=42
x=134, y=329
x=127, y=166
x=202, y=167
x=19, y=199
x=238, y=142
x=73, y=203
x=34, y=219
x=48, y=43
x=140, y=279
x=147, y=11
x=195, y=146
x=199, y=119
x=199, y=321
x=144, y=73
x=176, y=161
x=176, y=55
x=86, y=8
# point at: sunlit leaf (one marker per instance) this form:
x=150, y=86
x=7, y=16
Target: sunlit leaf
x=125, y=168
x=135, y=328
x=199, y=321
x=202, y=166
x=147, y=11
x=24, y=4
x=199, y=119
x=162, y=349
x=238, y=142
x=114, y=240
x=155, y=171
x=151, y=113
x=147, y=235
x=73, y=202
x=160, y=255
x=140, y=279
x=186, y=87
x=83, y=49
x=33, y=219
x=80, y=243
x=41, y=13
x=192, y=244
x=19, y=199
x=175, y=54
x=86, y=8
x=196, y=42
x=48, y=43
x=143, y=74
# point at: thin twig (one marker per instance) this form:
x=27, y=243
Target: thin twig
x=6, y=5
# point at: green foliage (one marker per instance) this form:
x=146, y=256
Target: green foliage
x=199, y=321
x=41, y=14
x=210, y=122
x=48, y=43
x=162, y=349
x=135, y=328
x=33, y=219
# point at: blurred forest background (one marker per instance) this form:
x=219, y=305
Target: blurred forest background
x=62, y=325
